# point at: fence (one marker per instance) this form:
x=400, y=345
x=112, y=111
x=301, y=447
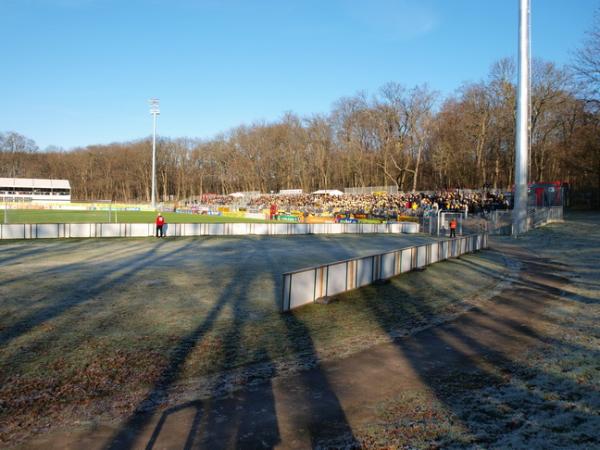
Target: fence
x=100, y=230
x=438, y=222
x=541, y=216
x=499, y=222
x=305, y=286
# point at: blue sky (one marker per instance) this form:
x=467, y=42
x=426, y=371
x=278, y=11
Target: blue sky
x=80, y=72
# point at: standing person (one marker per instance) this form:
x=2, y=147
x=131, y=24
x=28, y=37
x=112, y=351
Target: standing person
x=453, y=228
x=160, y=223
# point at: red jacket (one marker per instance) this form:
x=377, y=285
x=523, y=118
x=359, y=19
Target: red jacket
x=160, y=221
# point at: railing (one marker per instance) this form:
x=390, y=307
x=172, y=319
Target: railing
x=541, y=216
x=305, y=286
x=499, y=222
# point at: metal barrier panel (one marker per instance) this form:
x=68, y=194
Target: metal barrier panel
x=410, y=227
x=320, y=282
x=318, y=228
x=433, y=252
x=443, y=253
x=46, y=231
x=364, y=271
x=140, y=230
x=301, y=228
x=406, y=264
x=352, y=228
x=14, y=231
x=302, y=289
x=192, y=229
x=395, y=228
x=286, y=291
x=214, y=229
x=335, y=228
x=279, y=228
x=80, y=230
x=260, y=228
x=238, y=229
x=380, y=228
x=388, y=266
x=110, y=230
x=364, y=228
x=421, y=256
x=336, y=278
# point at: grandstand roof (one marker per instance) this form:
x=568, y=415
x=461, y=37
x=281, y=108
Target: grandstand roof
x=34, y=183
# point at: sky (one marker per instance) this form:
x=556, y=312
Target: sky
x=80, y=72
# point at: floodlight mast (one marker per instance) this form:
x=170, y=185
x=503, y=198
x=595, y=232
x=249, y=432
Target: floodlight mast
x=519, y=220
x=155, y=111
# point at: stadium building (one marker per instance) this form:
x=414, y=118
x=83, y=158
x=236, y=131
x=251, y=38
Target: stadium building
x=34, y=190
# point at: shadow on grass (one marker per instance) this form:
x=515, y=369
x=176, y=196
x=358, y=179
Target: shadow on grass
x=475, y=353
x=39, y=249
x=246, y=418
x=77, y=293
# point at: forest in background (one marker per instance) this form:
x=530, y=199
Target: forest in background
x=411, y=138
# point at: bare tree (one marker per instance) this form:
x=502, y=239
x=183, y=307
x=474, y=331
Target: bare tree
x=586, y=64
x=14, y=150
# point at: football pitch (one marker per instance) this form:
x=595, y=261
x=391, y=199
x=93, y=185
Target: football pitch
x=63, y=216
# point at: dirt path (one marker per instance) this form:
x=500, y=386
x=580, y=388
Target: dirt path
x=462, y=383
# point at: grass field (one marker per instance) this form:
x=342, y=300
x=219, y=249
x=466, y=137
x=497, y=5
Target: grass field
x=89, y=326
x=92, y=330
x=58, y=216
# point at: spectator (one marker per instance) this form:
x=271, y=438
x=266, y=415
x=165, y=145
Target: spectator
x=160, y=223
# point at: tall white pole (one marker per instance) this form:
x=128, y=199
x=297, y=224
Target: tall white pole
x=154, y=161
x=154, y=110
x=522, y=129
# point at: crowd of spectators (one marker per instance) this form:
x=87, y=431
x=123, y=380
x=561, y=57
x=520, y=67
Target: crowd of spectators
x=383, y=204
x=380, y=205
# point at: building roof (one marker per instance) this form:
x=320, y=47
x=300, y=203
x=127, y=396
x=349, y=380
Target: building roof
x=34, y=183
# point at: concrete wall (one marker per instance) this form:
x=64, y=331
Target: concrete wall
x=304, y=286
x=98, y=230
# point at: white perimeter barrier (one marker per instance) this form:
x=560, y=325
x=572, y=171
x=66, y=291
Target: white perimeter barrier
x=99, y=230
x=307, y=285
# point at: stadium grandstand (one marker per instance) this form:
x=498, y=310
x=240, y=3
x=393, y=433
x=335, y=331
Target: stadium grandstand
x=34, y=190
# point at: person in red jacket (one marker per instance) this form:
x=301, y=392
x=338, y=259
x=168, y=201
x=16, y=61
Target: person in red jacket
x=453, y=228
x=160, y=223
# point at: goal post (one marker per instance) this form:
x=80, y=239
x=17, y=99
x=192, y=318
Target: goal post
x=104, y=208
x=444, y=218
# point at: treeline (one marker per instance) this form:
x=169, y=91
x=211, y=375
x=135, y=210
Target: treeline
x=406, y=137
